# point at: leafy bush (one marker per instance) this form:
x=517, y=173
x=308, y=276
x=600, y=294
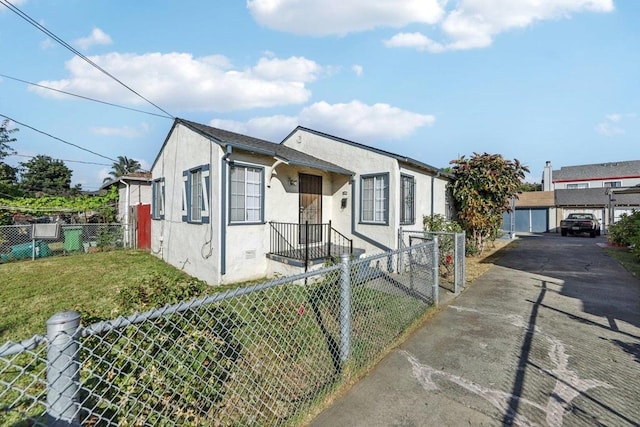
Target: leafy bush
x=446, y=244
x=162, y=368
x=626, y=232
x=438, y=222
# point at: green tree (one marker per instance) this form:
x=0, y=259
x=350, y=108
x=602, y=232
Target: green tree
x=482, y=189
x=42, y=174
x=123, y=166
x=6, y=139
x=530, y=186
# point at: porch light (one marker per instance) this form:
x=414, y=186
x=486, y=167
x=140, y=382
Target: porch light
x=292, y=181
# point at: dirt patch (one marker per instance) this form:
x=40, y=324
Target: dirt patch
x=476, y=266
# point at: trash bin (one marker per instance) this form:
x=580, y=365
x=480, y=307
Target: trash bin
x=25, y=250
x=72, y=239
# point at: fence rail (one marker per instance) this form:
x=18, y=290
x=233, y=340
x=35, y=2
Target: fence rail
x=260, y=355
x=307, y=242
x=451, y=254
x=31, y=241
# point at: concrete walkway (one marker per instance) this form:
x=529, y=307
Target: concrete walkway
x=550, y=335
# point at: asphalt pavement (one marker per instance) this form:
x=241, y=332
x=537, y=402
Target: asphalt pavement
x=549, y=336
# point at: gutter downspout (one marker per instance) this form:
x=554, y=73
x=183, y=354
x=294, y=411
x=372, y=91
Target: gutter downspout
x=126, y=210
x=223, y=213
x=433, y=187
x=353, y=221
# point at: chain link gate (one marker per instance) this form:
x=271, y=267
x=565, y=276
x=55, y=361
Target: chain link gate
x=451, y=248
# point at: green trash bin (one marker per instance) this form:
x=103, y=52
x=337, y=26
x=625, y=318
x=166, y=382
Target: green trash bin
x=72, y=239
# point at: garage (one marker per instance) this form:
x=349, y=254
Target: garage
x=534, y=212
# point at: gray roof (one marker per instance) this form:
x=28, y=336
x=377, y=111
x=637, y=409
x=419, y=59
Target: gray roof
x=598, y=171
x=402, y=159
x=595, y=197
x=259, y=146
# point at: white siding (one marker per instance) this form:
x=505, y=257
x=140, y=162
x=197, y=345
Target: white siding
x=193, y=248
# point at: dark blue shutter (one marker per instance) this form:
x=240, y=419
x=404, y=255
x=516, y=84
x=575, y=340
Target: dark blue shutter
x=186, y=199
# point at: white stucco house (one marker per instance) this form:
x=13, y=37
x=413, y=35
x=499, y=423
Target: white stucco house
x=227, y=207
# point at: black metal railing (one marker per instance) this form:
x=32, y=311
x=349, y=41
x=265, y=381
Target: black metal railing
x=307, y=242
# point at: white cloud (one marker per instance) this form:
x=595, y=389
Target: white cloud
x=100, y=175
x=414, y=40
x=474, y=23
x=354, y=120
x=15, y=3
x=326, y=17
x=465, y=24
x=612, y=124
x=358, y=70
x=273, y=128
x=97, y=37
x=47, y=44
x=121, y=132
x=359, y=121
x=179, y=81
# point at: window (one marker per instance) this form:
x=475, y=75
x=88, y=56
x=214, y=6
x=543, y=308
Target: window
x=195, y=204
x=613, y=184
x=407, y=200
x=157, y=199
x=577, y=186
x=195, y=195
x=246, y=194
x=374, y=201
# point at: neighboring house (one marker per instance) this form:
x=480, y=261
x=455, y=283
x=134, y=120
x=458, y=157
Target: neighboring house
x=134, y=190
x=228, y=207
x=600, y=175
x=533, y=212
x=604, y=189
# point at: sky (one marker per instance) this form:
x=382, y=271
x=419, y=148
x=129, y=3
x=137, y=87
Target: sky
x=434, y=80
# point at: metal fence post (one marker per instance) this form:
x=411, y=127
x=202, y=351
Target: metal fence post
x=435, y=270
x=456, y=268
x=345, y=308
x=63, y=369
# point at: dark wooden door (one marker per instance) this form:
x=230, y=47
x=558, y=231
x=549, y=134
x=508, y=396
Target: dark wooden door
x=310, y=200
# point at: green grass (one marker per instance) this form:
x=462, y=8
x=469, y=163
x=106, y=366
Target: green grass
x=627, y=259
x=32, y=291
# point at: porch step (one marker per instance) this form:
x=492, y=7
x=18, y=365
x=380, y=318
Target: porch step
x=296, y=257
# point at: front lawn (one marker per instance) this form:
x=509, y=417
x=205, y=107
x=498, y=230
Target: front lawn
x=32, y=291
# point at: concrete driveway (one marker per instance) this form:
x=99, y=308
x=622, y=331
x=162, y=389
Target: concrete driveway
x=550, y=335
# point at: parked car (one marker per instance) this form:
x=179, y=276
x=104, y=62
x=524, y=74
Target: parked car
x=577, y=223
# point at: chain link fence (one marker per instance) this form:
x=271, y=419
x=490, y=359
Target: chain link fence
x=267, y=354
x=33, y=241
x=451, y=250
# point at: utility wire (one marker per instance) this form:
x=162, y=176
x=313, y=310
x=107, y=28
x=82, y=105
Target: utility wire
x=84, y=97
x=40, y=27
x=59, y=139
x=64, y=160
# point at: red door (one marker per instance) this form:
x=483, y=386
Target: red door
x=144, y=226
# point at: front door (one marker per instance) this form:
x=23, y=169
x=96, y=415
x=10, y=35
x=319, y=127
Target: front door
x=310, y=201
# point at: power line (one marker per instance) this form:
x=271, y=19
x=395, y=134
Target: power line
x=83, y=97
x=40, y=27
x=64, y=160
x=59, y=139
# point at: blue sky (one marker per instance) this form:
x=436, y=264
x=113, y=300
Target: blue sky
x=535, y=80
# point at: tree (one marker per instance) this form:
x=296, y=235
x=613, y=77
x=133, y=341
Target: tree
x=482, y=190
x=530, y=186
x=6, y=139
x=42, y=174
x=123, y=166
